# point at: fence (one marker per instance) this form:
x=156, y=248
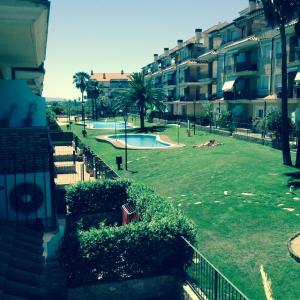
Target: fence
x=250, y=132
x=207, y=281
x=94, y=164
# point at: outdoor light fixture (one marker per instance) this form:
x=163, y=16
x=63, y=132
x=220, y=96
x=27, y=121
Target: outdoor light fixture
x=178, y=126
x=194, y=117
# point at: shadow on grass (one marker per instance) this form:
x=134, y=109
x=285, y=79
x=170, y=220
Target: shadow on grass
x=151, y=129
x=294, y=179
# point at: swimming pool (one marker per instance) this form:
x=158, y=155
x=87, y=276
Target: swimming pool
x=105, y=125
x=137, y=141
x=141, y=140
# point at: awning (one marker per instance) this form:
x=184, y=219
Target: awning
x=297, y=78
x=228, y=85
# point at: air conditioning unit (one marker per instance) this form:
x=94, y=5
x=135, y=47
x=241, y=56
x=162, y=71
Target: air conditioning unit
x=129, y=214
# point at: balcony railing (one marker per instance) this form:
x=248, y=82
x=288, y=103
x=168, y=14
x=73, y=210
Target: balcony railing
x=240, y=94
x=294, y=55
x=171, y=81
x=191, y=78
x=228, y=69
x=245, y=66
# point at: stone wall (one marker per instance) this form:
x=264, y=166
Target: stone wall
x=24, y=149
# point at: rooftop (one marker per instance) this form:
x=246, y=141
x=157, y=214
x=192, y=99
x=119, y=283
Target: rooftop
x=110, y=76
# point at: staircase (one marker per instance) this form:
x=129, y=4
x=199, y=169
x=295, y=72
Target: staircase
x=21, y=263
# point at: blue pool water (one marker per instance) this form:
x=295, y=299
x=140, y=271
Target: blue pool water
x=141, y=141
x=107, y=125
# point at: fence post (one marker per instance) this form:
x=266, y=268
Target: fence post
x=216, y=285
x=82, y=171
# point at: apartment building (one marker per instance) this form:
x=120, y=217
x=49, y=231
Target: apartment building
x=112, y=83
x=182, y=76
x=233, y=66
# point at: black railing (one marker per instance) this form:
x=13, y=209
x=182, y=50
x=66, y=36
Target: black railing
x=171, y=82
x=240, y=94
x=27, y=190
x=245, y=66
x=207, y=281
x=93, y=163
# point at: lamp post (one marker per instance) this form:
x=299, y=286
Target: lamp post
x=125, y=116
x=178, y=126
x=194, y=116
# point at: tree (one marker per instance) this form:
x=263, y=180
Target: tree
x=80, y=79
x=94, y=90
x=280, y=13
x=141, y=96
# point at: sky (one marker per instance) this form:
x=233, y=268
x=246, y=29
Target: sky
x=110, y=36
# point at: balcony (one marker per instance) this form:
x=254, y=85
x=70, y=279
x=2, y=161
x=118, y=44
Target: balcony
x=228, y=69
x=190, y=79
x=294, y=56
x=240, y=94
x=294, y=93
x=245, y=66
x=171, y=98
x=171, y=81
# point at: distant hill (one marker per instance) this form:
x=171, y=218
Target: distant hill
x=56, y=99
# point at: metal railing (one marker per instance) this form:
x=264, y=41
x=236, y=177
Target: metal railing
x=94, y=164
x=27, y=190
x=207, y=281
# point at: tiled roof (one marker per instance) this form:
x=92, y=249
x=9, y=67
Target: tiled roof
x=21, y=263
x=110, y=76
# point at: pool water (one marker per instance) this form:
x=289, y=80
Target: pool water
x=106, y=125
x=140, y=141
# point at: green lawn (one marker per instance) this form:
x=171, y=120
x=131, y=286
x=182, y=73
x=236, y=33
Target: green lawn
x=237, y=233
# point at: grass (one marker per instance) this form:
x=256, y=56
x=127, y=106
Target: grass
x=236, y=232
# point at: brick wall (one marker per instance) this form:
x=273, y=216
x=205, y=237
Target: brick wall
x=24, y=150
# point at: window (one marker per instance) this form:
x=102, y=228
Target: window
x=259, y=113
x=265, y=82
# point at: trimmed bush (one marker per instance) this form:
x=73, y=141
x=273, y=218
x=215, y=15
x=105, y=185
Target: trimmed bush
x=96, y=196
x=151, y=246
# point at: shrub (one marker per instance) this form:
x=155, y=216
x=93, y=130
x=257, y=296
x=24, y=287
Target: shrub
x=274, y=123
x=97, y=196
x=151, y=246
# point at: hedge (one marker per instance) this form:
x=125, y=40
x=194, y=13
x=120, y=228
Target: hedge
x=151, y=246
x=96, y=196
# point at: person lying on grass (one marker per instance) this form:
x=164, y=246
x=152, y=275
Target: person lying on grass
x=211, y=143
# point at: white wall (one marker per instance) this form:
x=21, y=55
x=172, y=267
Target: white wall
x=16, y=97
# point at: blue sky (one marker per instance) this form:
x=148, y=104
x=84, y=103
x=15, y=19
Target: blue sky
x=107, y=36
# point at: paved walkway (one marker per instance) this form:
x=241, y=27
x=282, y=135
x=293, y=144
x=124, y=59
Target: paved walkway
x=295, y=245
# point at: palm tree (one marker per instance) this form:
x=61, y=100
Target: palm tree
x=94, y=90
x=280, y=13
x=80, y=79
x=141, y=96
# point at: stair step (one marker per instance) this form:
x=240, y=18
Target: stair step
x=65, y=169
x=64, y=157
